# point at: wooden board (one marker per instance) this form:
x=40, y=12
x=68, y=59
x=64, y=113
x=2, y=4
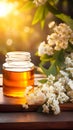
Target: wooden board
x=8, y=104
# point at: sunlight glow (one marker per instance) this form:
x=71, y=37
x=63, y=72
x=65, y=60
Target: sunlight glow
x=5, y=8
x=15, y=26
x=9, y=42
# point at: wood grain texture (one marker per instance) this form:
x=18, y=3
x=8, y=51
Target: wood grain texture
x=35, y=121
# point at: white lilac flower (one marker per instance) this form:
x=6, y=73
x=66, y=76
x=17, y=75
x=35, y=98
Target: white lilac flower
x=41, y=49
x=52, y=39
x=51, y=89
x=70, y=83
x=70, y=69
x=62, y=97
x=51, y=97
x=68, y=61
x=59, y=87
x=40, y=98
x=58, y=40
x=31, y=99
x=36, y=98
x=51, y=79
x=52, y=24
x=50, y=94
x=45, y=108
x=48, y=103
x=25, y=106
x=61, y=44
x=55, y=107
x=62, y=81
x=63, y=29
x=67, y=79
x=65, y=74
x=45, y=88
x=39, y=2
x=70, y=94
x=49, y=50
x=44, y=49
x=29, y=88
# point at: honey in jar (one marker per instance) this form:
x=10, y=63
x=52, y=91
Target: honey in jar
x=18, y=73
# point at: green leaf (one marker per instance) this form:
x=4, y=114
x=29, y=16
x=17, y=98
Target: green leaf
x=40, y=15
x=43, y=69
x=51, y=70
x=42, y=23
x=65, y=18
x=28, y=5
x=45, y=57
x=56, y=62
x=70, y=48
x=36, y=53
x=52, y=2
x=43, y=81
x=59, y=58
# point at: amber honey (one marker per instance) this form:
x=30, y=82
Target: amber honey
x=18, y=74
x=15, y=82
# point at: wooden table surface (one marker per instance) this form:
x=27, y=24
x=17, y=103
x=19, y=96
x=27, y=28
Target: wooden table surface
x=13, y=116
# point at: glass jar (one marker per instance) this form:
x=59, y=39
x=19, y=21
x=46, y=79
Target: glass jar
x=18, y=73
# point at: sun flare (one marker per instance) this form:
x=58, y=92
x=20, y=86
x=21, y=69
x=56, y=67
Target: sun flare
x=5, y=8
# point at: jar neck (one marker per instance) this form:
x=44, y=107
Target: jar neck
x=18, y=56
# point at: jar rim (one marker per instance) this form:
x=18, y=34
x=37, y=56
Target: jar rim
x=18, y=53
